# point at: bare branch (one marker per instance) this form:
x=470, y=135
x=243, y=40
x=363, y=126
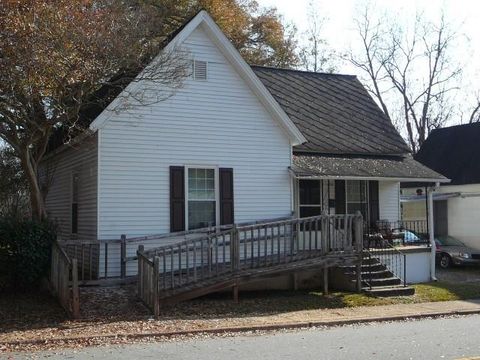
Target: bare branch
x=421, y=75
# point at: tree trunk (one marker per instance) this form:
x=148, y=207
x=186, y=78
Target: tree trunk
x=36, y=199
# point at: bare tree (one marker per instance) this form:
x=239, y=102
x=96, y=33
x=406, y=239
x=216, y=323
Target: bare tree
x=475, y=113
x=413, y=65
x=56, y=56
x=371, y=59
x=315, y=55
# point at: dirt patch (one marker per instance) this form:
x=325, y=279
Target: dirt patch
x=111, y=303
x=33, y=310
x=116, y=312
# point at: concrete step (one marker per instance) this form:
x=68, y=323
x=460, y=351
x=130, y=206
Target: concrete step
x=378, y=274
x=389, y=281
x=365, y=268
x=370, y=261
x=386, y=291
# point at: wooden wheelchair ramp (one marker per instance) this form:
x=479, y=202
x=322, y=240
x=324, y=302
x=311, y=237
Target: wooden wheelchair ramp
x=226, y=259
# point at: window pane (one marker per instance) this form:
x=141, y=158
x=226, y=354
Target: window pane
x=210, y=184
x=307, y=211
x=201, y=214
x=201, y=184
x=357, y=197
x=356, y=191
x=309, y=192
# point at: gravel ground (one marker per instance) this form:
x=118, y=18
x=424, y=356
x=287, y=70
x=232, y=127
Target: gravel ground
x=463, y=275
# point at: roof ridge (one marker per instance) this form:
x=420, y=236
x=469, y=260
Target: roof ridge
x=321, y=73
x=458, y=126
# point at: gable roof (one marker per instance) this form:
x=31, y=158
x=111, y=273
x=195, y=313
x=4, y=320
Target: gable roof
x=233, y=56
x=334, y=112
x=454, y=152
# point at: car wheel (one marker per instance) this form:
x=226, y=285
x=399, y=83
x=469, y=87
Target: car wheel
x=445, y=261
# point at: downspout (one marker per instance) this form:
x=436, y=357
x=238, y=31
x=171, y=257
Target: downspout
x=431, y=231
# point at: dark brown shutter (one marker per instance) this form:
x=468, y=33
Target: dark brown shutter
x=373, y=203
x=226, y=196
x=177, y=198
x=340, y=206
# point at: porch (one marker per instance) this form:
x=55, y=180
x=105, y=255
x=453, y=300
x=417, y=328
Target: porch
x=370, y=184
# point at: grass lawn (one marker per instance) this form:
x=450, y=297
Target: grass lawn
x=428, y=292
x=309, y=300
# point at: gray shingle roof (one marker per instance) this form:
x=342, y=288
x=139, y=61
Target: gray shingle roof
x=395, y=167
x=454, y=152
x=334, y=112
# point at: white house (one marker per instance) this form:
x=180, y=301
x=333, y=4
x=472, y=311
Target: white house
x=236, y=143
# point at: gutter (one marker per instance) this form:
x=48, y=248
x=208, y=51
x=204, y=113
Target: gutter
x=470, y=194
x=366, y=177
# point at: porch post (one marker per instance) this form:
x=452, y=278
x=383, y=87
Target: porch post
x=431, y=231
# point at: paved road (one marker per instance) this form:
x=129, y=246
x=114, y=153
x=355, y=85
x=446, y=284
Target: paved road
x=449, y=338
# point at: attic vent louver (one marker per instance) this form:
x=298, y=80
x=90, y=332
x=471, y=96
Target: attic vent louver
x=199, y=70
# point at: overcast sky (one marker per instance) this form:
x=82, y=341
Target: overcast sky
x=339, y=31
x=339, y=28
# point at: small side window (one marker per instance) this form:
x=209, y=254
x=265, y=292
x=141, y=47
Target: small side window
x=74, y=203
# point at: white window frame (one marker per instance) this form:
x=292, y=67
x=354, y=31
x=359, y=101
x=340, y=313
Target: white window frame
x=217, y=191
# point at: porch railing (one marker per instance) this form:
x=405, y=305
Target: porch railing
x=108, y=259
x=244, y=248
x=403, y=232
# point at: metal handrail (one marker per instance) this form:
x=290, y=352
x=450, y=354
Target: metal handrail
x=394, y=264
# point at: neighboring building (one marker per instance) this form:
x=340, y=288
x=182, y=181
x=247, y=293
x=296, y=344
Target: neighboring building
x=234, y=144
x=455, y=153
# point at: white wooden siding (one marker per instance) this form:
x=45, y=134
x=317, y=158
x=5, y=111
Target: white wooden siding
x=81, y=159
x=389, y=200
x=217, y=122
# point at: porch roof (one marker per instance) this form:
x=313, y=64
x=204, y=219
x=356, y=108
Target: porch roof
x=397, y=168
